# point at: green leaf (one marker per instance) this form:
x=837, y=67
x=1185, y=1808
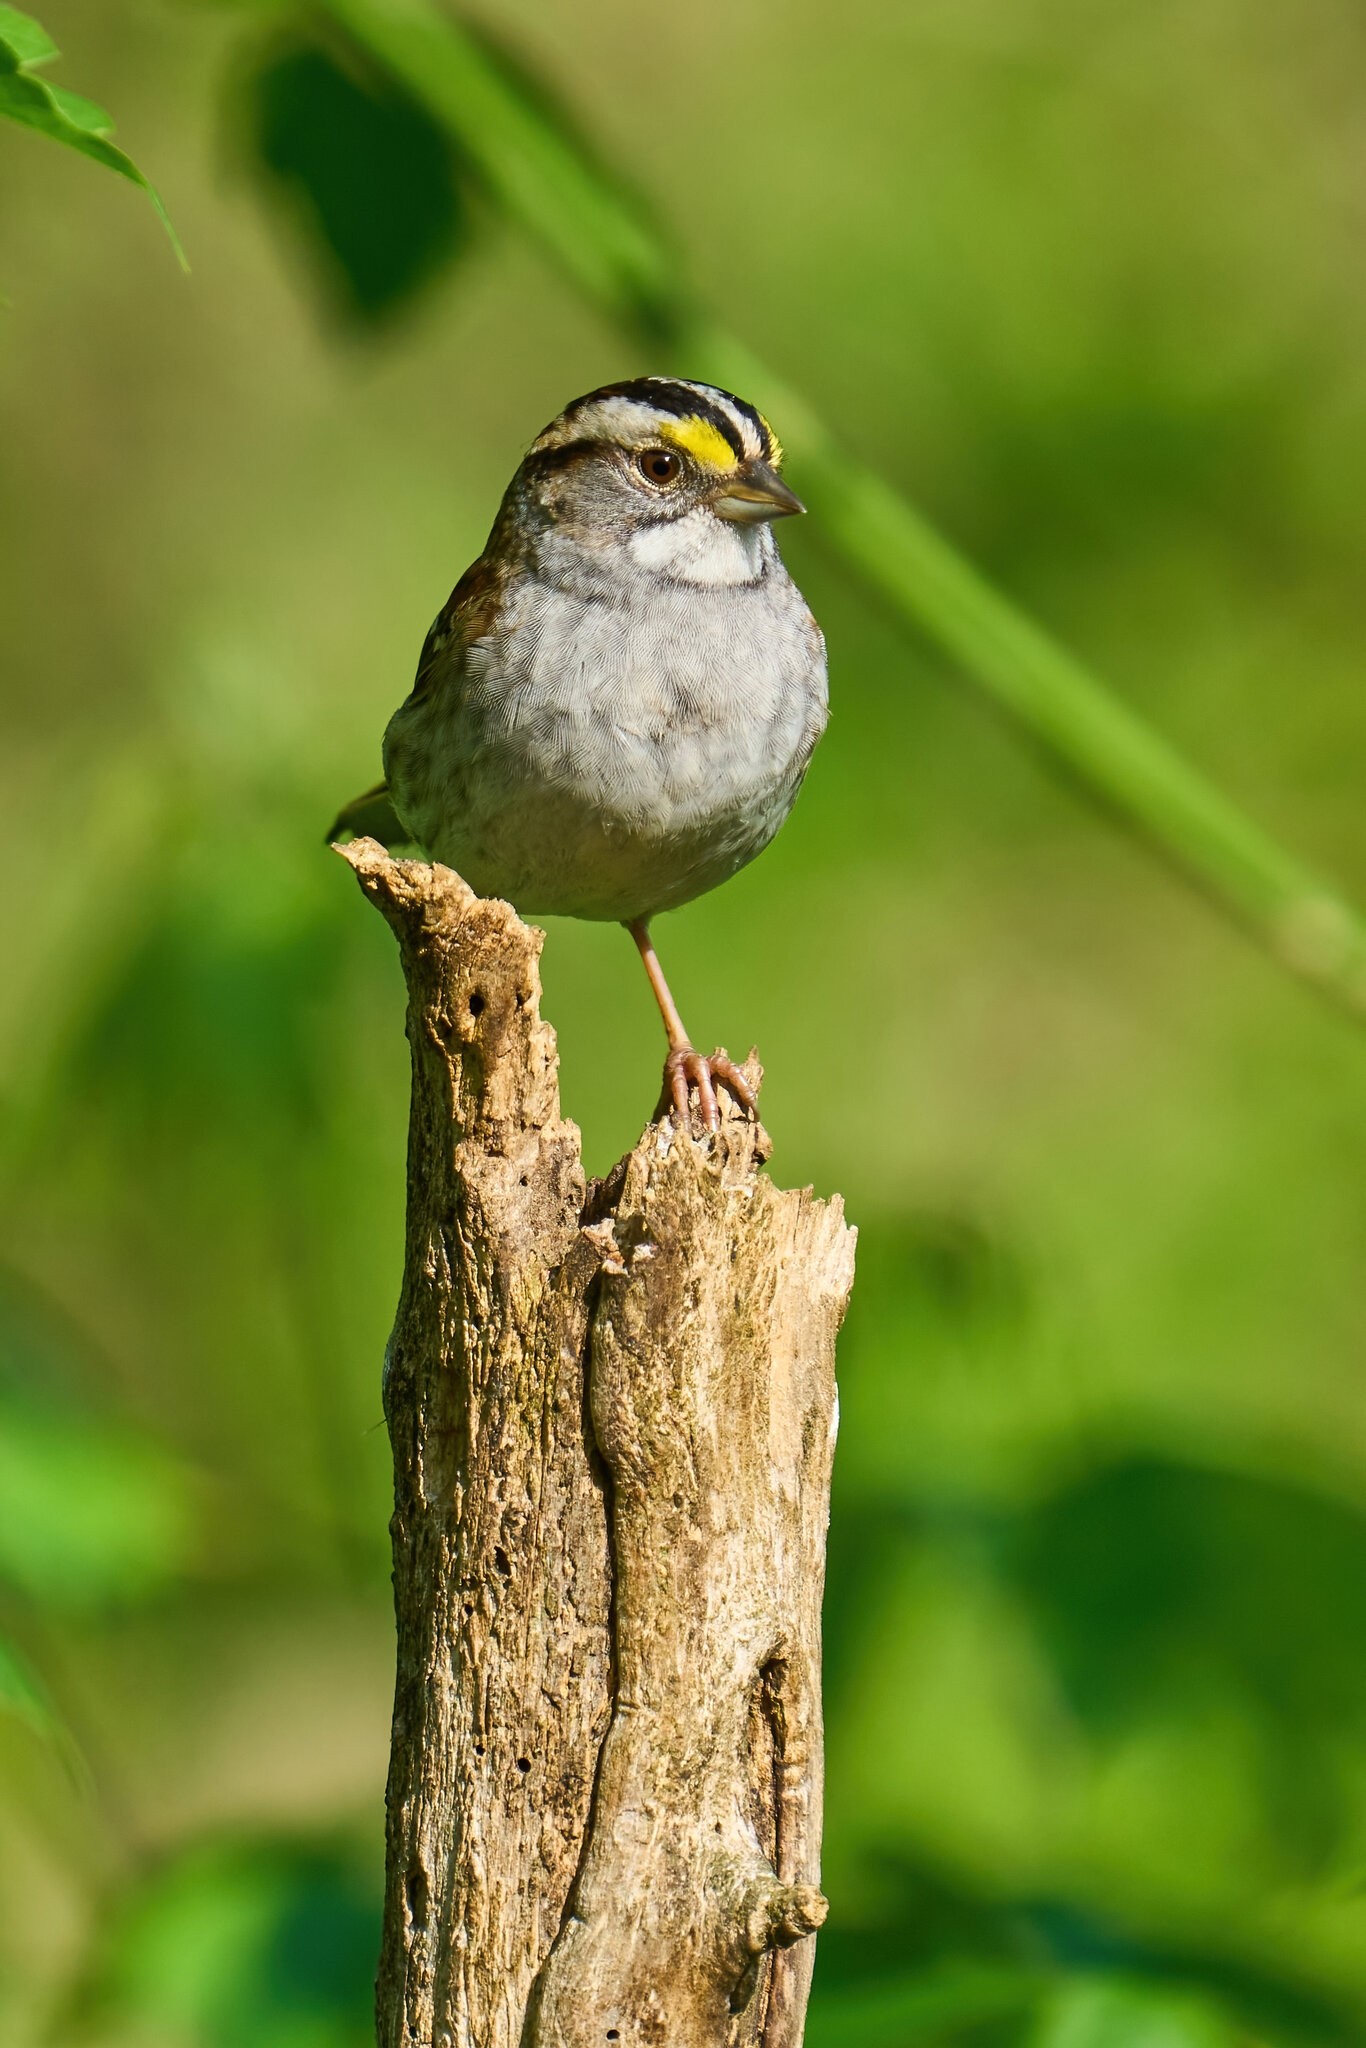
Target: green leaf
x=370, y=176
x=63, y=116
x=81, y=112
x=25, y=39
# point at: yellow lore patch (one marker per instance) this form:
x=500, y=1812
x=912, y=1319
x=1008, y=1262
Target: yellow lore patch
x=700, y=439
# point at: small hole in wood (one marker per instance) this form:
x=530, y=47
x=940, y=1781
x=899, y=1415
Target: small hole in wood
x=501, y=1562
x=678, y=1500
x=612, y=2034
x=467, y=1609
x=523, y=1764
x=417, y=1895
x=476, y=1004
x=479, y=1749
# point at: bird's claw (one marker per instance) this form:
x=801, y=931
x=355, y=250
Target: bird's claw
x=686, y=1069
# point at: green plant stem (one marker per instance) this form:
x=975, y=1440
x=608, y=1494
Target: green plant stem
x=600, y=239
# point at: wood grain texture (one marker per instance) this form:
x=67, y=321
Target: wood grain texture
x=612, y=1413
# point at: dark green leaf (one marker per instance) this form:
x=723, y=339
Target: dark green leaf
x=372, y=179
x=64, y=116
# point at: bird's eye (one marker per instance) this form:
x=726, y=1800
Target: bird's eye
x=659, y=465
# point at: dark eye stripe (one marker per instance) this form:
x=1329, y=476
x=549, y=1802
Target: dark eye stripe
x=542, y=462
x=545, y=461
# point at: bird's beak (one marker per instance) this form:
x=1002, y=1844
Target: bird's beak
x=757, y=492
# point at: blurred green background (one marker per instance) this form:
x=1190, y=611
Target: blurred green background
x=1086, y=281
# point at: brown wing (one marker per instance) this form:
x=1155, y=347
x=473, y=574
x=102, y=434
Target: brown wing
x=468, y=613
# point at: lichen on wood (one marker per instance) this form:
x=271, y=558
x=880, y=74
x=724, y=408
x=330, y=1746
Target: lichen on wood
x=612, y=1414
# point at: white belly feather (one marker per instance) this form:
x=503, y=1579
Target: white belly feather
x=614, y=750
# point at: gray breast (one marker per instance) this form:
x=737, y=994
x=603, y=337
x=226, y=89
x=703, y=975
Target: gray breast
x=608, y=753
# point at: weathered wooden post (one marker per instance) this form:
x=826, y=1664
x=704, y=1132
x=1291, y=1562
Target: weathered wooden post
x=612, y=1410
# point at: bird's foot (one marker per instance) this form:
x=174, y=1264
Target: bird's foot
x=686, y=1069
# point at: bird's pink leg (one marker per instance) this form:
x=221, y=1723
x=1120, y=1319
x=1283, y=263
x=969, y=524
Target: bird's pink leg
x=686, y=1068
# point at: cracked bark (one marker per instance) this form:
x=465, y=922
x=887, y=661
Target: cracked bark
x=612, y=1414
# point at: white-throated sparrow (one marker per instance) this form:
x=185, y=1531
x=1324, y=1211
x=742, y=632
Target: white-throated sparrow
x=615, y=708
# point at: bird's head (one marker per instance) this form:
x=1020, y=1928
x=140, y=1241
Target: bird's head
x=683, y=476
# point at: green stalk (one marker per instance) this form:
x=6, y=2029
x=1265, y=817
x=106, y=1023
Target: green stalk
x=612, y=256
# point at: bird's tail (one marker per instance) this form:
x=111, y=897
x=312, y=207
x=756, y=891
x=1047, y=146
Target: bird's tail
x=371, y=816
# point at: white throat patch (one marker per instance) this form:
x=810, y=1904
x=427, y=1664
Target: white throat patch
x=700, y=548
